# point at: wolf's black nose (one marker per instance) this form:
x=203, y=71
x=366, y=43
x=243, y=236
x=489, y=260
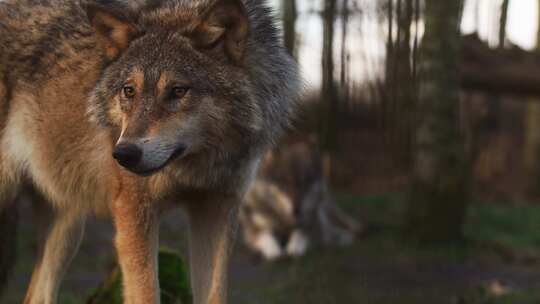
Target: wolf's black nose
x=127, y=155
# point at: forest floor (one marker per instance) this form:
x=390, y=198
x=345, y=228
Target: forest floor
x=499, y=262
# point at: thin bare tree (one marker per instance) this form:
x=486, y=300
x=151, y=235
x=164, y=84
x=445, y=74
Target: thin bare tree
x=329, y=103
x=290, y=15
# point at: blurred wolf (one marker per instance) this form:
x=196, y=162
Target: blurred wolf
x=131, y=108
x=290, y=208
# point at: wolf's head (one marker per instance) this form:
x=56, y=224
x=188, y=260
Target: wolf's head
x=174, y=84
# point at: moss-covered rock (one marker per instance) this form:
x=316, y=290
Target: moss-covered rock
x=173, y=280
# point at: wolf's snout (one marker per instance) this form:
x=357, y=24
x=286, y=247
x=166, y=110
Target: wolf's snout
x=127, y=155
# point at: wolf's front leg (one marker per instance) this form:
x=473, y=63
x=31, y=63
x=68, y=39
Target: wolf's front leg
x=212, y=228
x=65, y=231
x=136, y=243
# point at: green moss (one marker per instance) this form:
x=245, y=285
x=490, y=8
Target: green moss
x=173, y=280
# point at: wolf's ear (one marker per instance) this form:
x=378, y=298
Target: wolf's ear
x=224, y=23
x=113, y=30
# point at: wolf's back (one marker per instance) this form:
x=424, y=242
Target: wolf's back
x=35, y=36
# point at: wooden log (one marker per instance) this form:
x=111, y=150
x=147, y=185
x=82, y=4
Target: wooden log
x=500, y=71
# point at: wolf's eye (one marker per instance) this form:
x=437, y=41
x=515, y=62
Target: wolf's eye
x=129, y=91
x=179, y=92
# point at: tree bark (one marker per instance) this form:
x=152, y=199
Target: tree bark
x=344, y=73
x=502, y=22
x=440, y=188
x=400, y=84
x=532, y=137
x=405, y=90
x=389, y=96
x=329, y=103
x=290, y=14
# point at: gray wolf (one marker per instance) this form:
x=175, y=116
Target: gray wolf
x=128, y=109
x=290, y=208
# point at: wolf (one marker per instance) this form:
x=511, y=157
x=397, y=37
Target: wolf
x=128, y=109
x=290, y=208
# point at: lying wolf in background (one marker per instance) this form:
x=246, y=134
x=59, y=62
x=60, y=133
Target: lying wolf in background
x=290, y=208
x=130, y=109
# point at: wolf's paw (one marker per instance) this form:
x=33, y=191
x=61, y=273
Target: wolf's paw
x=298, y=244
x=268, y=246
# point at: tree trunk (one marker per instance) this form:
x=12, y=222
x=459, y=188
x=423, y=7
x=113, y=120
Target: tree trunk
x=290, y=15
x=405, y=90
x=400, y=84
x=502, y=22
x=389, y=64
x=329, y=102
x=440, y=187
x=345, y=62
x=532, y=137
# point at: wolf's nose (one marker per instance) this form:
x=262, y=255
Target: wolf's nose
x=127, y=155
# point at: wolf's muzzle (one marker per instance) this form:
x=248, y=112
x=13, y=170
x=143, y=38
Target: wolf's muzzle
x=134, y=158
x=128, y=155
x=179, y=151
